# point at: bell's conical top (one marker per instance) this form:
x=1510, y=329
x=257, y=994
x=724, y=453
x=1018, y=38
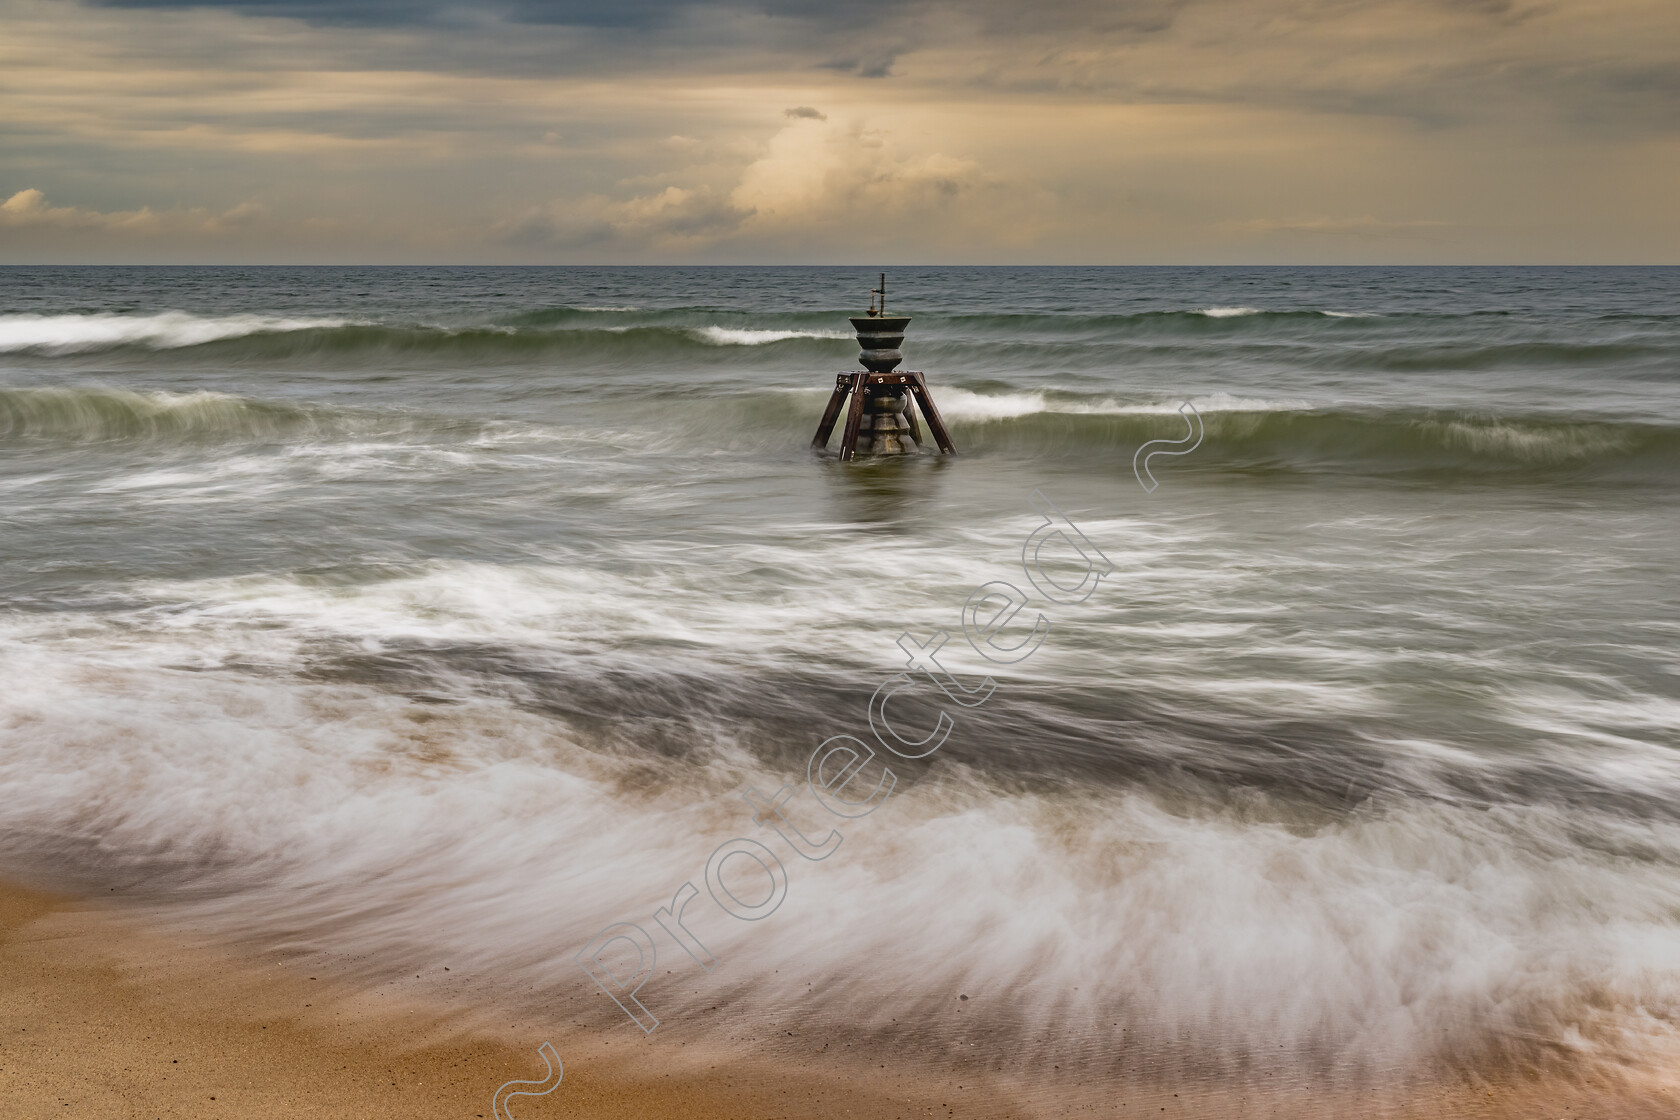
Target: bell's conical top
x=879, y=339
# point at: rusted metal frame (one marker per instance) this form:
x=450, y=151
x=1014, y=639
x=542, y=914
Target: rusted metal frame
x=854, y=417
x=936, y=425
x=825, y=427
x=910, y=419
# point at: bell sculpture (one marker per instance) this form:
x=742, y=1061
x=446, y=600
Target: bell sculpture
x=880, y=421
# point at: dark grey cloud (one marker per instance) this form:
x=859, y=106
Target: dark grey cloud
x=805, y=112
x=563, y=13
x=534, y=37
x=880, y=29
x=406, y=13
x=1295, y=55
x=876, y=64
x=862, y=38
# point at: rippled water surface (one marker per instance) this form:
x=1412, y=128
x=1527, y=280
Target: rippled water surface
x=412, y=615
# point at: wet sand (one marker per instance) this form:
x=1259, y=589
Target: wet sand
x=101, y=1017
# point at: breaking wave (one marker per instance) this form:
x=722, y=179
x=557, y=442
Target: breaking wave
x=732, y=336
x=167, y=330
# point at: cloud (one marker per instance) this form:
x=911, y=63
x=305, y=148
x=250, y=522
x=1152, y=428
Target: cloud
x=877, y=63
x=1438, y=62
x=812, y=174
x=637, y=14
x=811, y=183
x=1109, y=130
x=674, y=219
x=237, y=217
x=29, y=209
x=1363, y=226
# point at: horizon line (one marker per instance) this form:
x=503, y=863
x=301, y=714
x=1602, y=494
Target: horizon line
x=819, y=264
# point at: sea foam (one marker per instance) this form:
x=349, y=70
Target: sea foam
x=964, y=404
x=746, y=336
x=166, y=330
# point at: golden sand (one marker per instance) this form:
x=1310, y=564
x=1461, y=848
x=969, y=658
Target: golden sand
x=102, y=1018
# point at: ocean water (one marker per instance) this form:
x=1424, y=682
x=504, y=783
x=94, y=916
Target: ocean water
x=404, y=618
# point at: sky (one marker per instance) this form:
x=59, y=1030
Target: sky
x=867, y=132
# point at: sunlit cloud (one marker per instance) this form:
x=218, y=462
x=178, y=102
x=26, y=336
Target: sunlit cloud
x=1362, y=226
x=29, y=209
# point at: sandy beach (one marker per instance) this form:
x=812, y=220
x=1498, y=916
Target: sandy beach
x=103, y=1018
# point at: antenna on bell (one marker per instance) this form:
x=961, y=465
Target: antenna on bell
x=877, y=312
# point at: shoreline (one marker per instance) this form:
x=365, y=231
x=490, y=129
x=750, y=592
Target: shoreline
x=102, y=1016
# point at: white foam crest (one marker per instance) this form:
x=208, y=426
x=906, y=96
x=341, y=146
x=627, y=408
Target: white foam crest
x=963, y=404
x=1225, y=402
x=1227, y=312
x=746, y=336
x=165, y=330
x=1532, y=444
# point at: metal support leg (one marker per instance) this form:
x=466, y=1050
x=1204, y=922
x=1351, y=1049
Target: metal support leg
x=918, y=386
x=854, y=417
x=825, y=427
